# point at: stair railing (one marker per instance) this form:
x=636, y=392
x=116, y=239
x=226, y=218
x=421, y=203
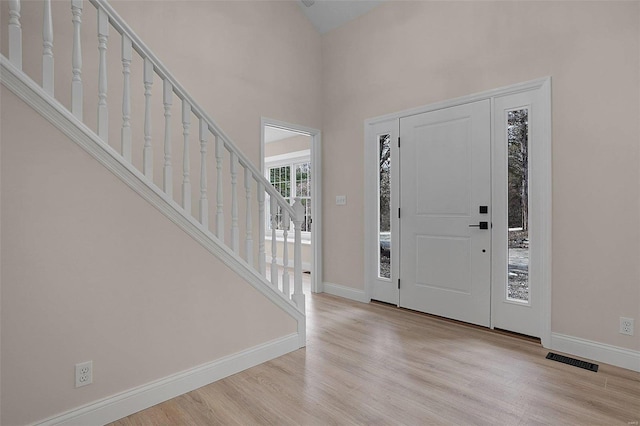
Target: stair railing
x=205, y=125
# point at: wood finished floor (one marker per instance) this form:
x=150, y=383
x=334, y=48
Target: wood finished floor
x=375, y=364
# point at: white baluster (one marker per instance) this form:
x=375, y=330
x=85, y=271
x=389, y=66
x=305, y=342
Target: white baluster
x=204, y=202
x=274, y=242
x=219, y=189
x=76, y=60
x=127, y=52
x=167, y=99
x=147, y=153
x=235, y=231
x=285, y=254
x=186, y=180
x=15, y=34
x=248, y=179
x=103, y=112
x=262, y=261
x=298, y=295
x=47, y=52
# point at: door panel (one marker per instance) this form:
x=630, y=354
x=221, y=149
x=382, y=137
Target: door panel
x=521, y=314
x=448, y=141
x=445, y=175
x=383, y=152
x=443, y=263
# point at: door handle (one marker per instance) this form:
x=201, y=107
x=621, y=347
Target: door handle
x=481, y=225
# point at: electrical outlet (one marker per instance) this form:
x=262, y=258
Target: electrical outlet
x=626, y=326
x=341, y=200
x=84, y=373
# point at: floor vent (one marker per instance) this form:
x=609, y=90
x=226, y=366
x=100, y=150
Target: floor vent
x=572, y=361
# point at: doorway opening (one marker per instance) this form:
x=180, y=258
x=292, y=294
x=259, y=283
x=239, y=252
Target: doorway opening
x=290, y=161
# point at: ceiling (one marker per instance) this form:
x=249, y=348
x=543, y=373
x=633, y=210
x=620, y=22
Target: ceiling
x=273, y=134
x=329, y=14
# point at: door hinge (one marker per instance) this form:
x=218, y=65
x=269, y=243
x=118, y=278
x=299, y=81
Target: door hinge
x=398, y=141
x=398, y=283
x=398, y=212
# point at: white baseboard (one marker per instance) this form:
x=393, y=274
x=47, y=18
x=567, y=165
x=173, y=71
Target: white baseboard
x=346, y=292
x=121, y=405
x=601, y=352
x=306, y=266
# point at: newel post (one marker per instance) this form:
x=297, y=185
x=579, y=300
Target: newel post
x=298, y=295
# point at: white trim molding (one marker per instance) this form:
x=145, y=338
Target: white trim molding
x=601, y=352
x=514, y=88
x=346, y=292
x=126, y=403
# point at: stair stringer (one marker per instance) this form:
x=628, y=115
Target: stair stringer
x=53, y=111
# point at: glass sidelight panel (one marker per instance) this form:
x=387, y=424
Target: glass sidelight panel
x=384, y=216
x=518, y=207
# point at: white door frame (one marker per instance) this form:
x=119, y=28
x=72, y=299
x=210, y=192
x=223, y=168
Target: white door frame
x=541, y=180
x=316, y=191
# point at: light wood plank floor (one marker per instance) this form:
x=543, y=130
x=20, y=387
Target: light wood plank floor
x=375, y=364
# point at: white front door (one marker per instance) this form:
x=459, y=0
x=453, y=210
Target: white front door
x=445, y=194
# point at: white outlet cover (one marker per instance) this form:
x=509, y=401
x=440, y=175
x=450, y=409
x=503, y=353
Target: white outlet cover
x=84, y=373
x=341, y=200
x=626, y=326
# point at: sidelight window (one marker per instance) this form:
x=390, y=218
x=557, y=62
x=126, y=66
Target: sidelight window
x=518, y=204
x=384, y=212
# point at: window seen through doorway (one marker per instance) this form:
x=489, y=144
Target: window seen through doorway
x=293, y=181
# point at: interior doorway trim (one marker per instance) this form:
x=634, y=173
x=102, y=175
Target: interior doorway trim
x=542, y=163
x=316, y=191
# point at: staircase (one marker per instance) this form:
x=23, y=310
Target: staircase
x=225, y=230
